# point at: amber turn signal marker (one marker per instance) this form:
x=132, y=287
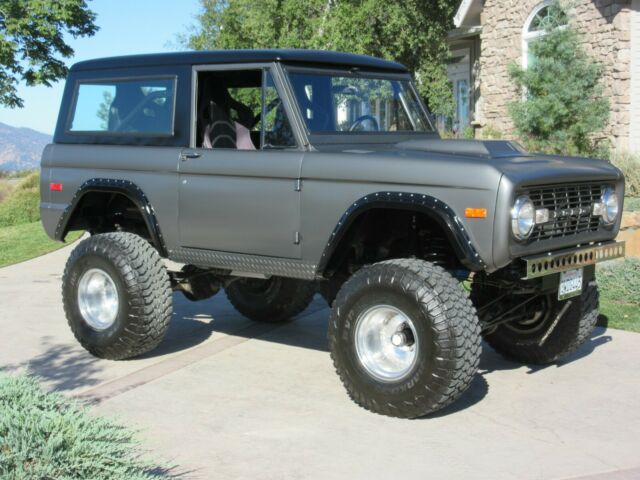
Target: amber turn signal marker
x=55, y=187
x=475, y=212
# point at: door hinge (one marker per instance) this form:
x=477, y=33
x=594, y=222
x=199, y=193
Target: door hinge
x=296, y=238
x=298, y=185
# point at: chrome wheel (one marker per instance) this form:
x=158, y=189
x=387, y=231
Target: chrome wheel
x=386, y=343
x=98, y=299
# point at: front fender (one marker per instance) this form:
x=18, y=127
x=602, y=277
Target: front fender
x=421, y=203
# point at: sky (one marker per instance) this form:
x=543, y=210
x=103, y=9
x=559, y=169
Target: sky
x=126, y=27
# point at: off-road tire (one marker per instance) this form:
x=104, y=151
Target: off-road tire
x=569, y=332
x=446, y=327
x=277, y=299
x=144, y=290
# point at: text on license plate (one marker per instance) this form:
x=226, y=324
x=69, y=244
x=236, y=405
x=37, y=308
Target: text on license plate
x=570, y=284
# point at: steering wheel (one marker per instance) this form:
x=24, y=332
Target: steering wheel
x=360, y=120
x=270, y=106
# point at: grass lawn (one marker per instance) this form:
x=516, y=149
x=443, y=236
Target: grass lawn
x=623, y=316
x=619, y=283
x=27, y=240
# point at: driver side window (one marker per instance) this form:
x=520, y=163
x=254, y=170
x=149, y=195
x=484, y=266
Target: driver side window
x=241, y=110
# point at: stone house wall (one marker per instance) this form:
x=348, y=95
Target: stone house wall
x=634, y=135
x=606, y=28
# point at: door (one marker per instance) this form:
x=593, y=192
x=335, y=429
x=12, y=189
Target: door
x=459, y=74
x=239, y=183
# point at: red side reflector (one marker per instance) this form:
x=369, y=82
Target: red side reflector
x=475, y=212
x=55, y=187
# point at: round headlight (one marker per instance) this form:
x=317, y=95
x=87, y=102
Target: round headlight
x=610, y=206
x=523, y=217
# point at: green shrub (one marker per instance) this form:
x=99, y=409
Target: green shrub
x=632, y=204
x=5, y=189
x=21, y=207
x=23, y=203
x=30, y=180
x=469, y=133
x=447, y=134
x=630, y=166
x=44, y=436
x=489, y=132
x=24, y=173
x=563, y=104
x=619, y=281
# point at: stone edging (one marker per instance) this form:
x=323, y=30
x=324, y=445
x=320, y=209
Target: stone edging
x=630, y=220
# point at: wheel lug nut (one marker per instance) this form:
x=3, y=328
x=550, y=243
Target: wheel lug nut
x=398, y=339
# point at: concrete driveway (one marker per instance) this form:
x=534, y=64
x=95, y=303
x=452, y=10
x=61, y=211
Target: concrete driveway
x=226, y=398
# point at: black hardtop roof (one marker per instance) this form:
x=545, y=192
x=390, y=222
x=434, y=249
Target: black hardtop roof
x=318, y=57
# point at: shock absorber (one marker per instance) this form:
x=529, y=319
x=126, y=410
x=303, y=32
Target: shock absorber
x=435, y=249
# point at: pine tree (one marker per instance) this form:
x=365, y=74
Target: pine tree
x=562, y=102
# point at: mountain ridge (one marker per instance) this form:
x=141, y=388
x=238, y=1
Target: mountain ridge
x=21, y=147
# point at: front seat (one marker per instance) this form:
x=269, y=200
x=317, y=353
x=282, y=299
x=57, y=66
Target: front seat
x=224, y=121
x=220, y=132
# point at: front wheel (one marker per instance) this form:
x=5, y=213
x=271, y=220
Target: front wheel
x=404, y=338
x=117, y=295
x=546, y=330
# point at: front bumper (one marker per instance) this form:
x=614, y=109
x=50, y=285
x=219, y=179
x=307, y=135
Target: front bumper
x=572, y=258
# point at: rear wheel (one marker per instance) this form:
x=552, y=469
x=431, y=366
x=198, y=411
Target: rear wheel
x=545, y=329
x=404, y=338
x=117, y=295
x=276, y=299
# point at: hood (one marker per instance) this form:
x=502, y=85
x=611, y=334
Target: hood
x=460, y=164
x=512, y=160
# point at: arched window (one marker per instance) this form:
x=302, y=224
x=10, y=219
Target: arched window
x=535, y=28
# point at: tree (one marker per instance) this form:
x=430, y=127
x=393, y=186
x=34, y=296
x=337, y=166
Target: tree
x=32, y=38
x=412, y=32
x=103, y=109
x=563, y=103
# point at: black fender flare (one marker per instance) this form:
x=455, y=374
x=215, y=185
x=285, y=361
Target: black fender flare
x=417, y=202
x=124, y=187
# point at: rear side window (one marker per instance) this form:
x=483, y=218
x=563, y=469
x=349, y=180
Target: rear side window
x=124, y=107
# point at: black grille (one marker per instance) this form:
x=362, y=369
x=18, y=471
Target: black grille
x=570, y=209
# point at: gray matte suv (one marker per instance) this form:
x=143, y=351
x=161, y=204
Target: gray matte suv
x=277, y=174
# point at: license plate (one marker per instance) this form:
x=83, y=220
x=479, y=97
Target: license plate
x=570, y=284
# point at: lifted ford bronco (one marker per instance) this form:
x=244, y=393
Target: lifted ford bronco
x=276, y=174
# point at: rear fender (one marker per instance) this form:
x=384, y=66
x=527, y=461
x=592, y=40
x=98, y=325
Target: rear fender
x=123, y=187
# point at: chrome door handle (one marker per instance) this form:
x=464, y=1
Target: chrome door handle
x=184, y=156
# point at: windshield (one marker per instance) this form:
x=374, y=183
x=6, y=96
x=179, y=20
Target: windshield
x=352, y=102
